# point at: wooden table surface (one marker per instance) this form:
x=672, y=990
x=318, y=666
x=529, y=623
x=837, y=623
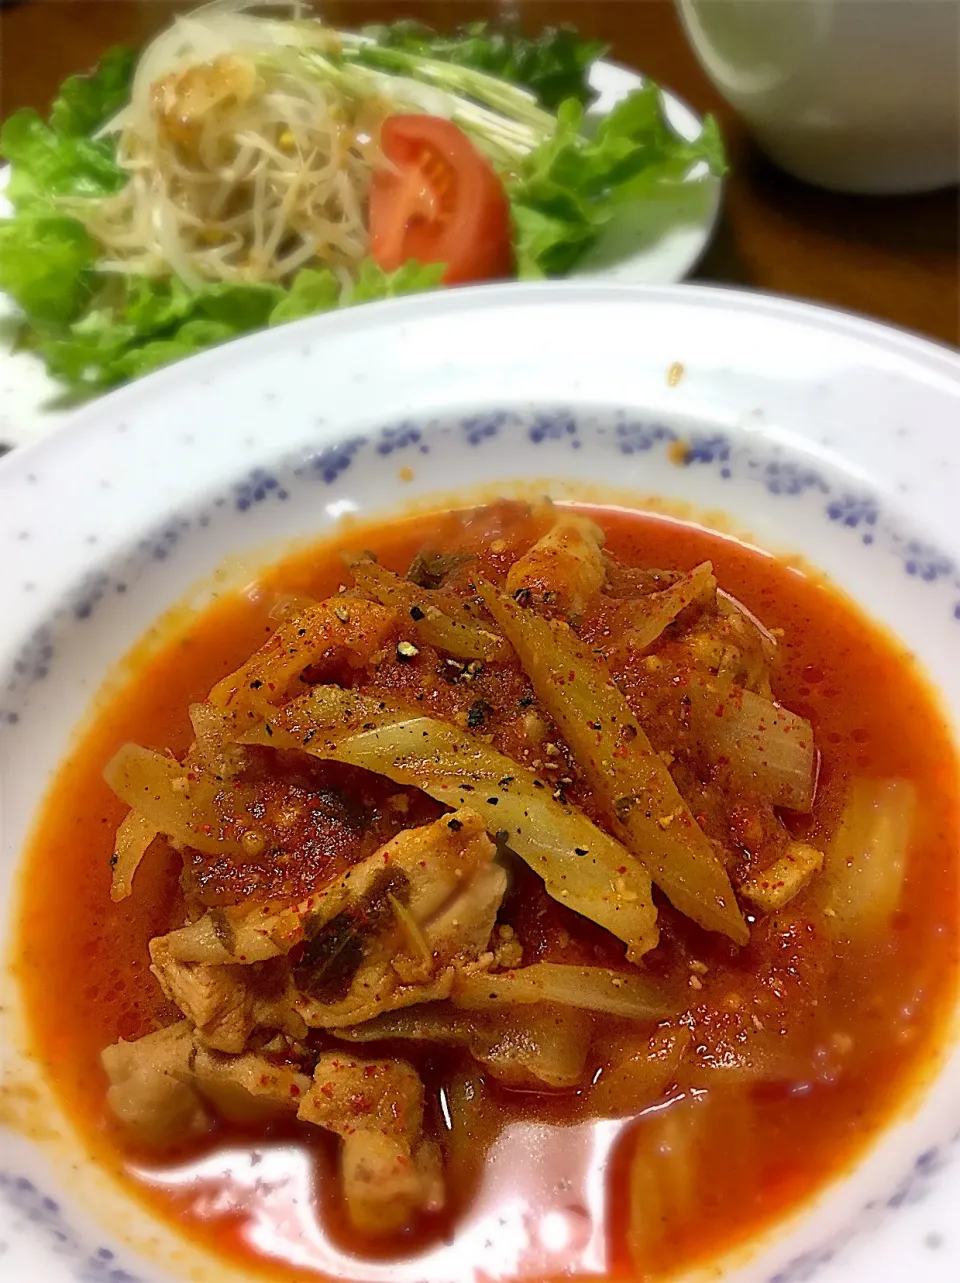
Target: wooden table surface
x=892, y=258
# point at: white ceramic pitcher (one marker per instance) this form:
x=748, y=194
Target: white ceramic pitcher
x=853, y=95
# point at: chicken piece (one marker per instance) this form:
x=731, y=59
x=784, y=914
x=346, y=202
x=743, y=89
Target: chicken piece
x=151, y=1085
x=563, y=569
x=226, y=1004
x=244, y=934
x=337, y=632
x=388, y=1170
x=421, y=907
x=159, y=1083
x=773, y=887
x=465, y=926
x=382, y=936
x=728, y=641
x=249, y=1088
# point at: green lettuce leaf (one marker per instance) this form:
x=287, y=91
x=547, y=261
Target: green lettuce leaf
x=244, y=306
x=80, y=355
x=554, y=65
x=47, y=165
x=45, y=262
x=60, y=158
x=135, y=326
x=318, y=290
x=87, y=102
x=573, y=185
x=311, y=291
x=154, y=306
x=547, y=244
x=192, y=337
x=374, y=283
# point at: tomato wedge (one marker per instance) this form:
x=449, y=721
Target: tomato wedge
x=439, y=201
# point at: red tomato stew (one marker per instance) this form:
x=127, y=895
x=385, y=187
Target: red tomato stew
x=557, y=890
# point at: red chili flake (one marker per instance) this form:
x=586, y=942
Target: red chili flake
x=622, y=868
x=294, y=1089
x=327, y=1090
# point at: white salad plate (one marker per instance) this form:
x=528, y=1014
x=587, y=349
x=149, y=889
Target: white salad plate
x=813, y=433
x=657, y=244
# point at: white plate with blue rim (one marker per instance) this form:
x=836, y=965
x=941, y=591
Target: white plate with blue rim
x=821, y=434
x=657, y=244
